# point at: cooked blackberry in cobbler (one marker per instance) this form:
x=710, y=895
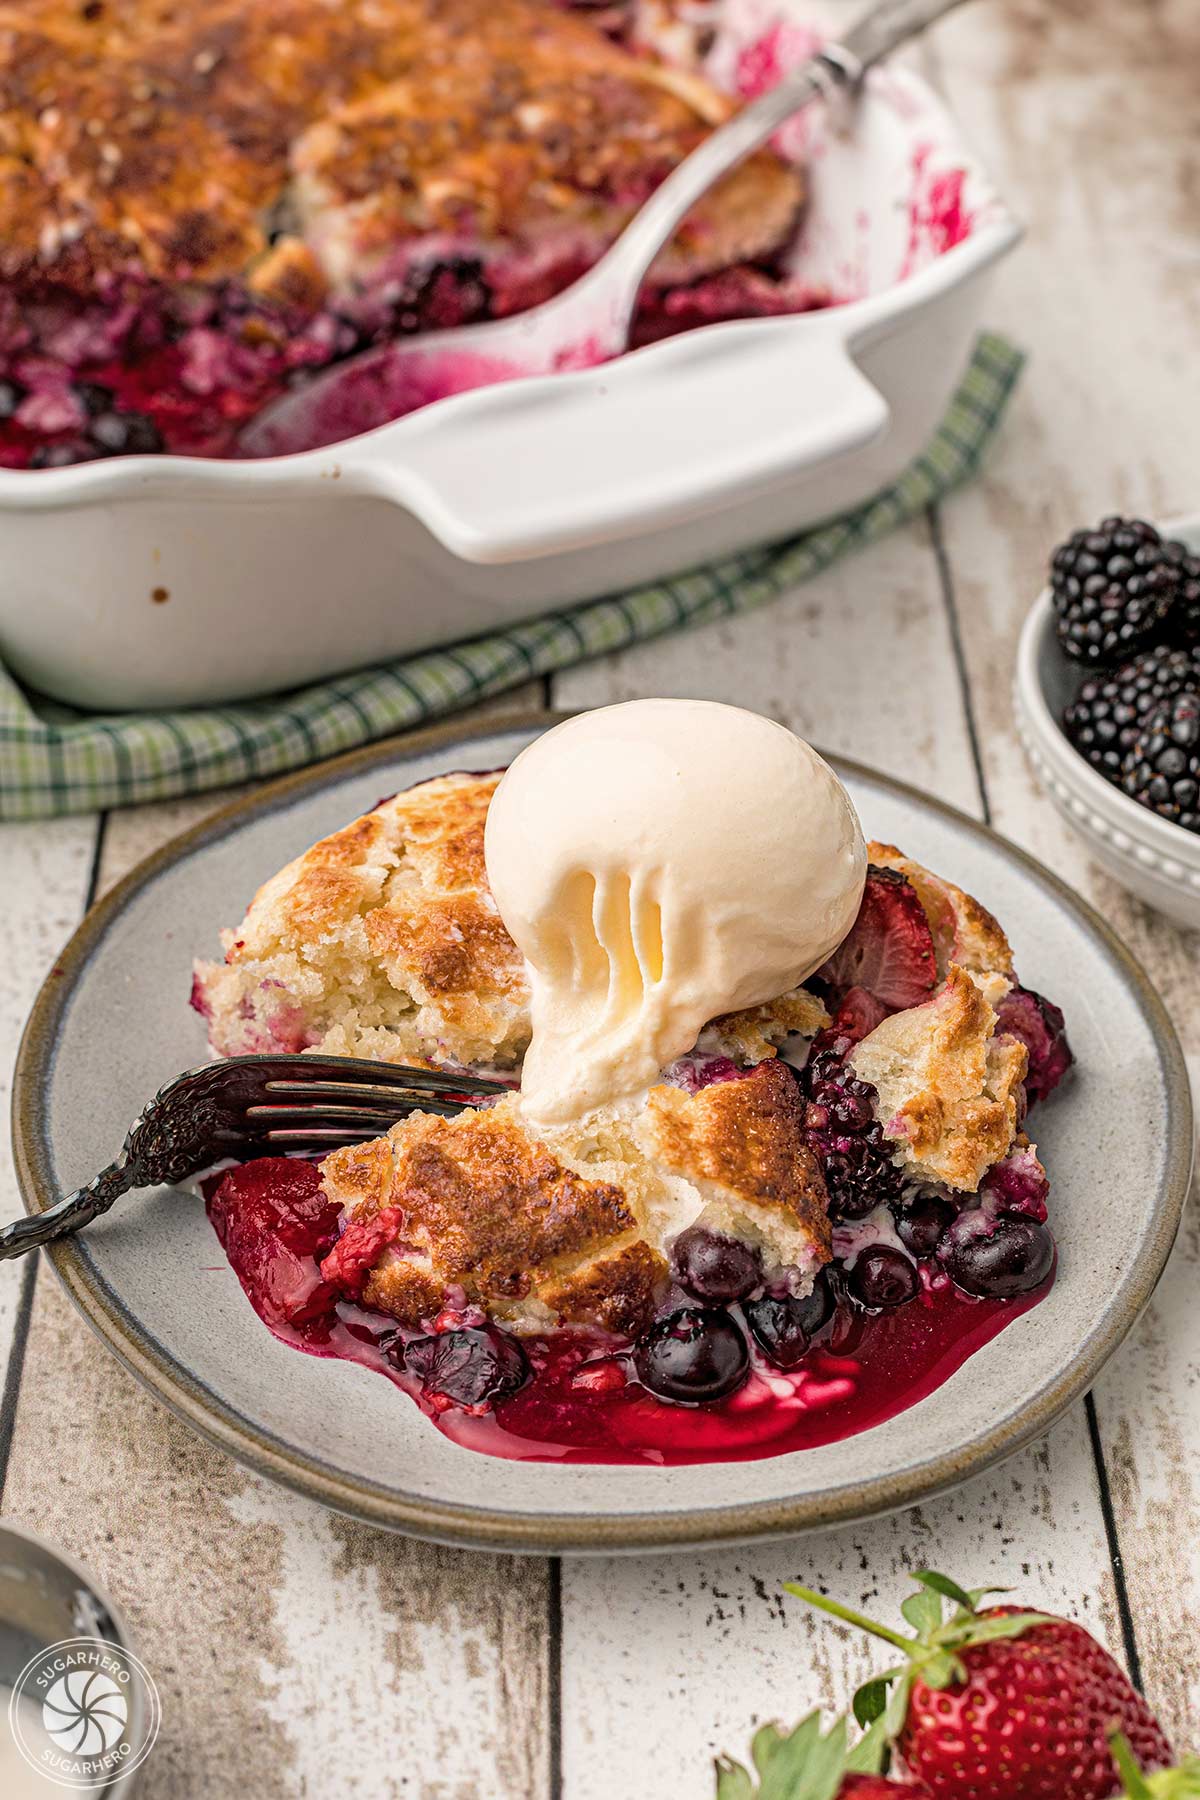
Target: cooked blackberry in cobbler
x=809, y=1220
x=1118, y=589
x=203, y=200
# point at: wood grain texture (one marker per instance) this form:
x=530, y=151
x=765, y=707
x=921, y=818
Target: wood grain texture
x=44, y=873
x=438, y=1662
x=297, y=1654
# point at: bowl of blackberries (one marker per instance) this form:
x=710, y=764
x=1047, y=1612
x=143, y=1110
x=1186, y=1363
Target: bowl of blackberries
x=1108, y=702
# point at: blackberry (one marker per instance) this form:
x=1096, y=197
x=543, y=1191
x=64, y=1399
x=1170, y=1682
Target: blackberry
x=1109, y=710
x=1113, y=588
x=841, y=1129
x=1185, y=614
x=93, y=397
x=1162, y=770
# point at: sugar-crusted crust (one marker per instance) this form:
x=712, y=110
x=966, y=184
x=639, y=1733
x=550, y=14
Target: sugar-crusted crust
x=577, y=1230
x=947, y=1085
x=383, y=940
x=301, y=142
x=745, y=1138
x=757, y=1031
x=486, y=1208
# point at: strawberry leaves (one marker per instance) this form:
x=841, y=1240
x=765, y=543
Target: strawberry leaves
x=1182, y=1783
x=801, y=1764
x=931, y=1654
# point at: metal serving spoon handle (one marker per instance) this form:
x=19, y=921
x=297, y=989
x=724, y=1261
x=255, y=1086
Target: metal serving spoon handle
x=589, y=322
x=839, y=65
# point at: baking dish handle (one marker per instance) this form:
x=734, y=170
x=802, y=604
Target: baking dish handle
x=557, y=463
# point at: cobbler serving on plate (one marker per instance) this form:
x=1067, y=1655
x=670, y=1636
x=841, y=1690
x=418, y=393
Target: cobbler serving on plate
x=794, y=1227
x=202, y=201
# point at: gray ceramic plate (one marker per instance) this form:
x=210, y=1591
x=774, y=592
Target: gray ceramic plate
x=114, y=1024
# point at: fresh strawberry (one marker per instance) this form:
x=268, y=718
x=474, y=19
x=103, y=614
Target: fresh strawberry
x=881, y=1787
x=889, y=951
x=804, y=1764
x=1001, y=1704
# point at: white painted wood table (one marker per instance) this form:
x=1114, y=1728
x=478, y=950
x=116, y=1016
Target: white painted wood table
x=300, y=1654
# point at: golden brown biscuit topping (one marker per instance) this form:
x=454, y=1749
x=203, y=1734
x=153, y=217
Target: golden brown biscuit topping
x=186, y=140
x=947, y=1086
x=579, y=1232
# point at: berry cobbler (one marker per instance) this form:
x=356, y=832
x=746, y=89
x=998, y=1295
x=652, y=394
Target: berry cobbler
x=202, y=201
x=686, y=1232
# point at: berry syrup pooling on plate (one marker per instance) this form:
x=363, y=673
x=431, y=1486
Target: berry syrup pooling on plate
x=704, y=1383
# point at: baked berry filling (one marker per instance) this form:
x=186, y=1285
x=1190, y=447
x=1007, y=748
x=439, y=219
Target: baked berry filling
x=727, y=1354
x=756, y=1376
x=153, y=370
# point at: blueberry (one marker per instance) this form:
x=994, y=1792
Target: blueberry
x=997, y=1258
x=783, y=1326
x=714, y=1267
x=881, y=1277
x=474, y=1366
x=692, y=1356
x=125, y=434
x=11, y=396
x=920, y=1226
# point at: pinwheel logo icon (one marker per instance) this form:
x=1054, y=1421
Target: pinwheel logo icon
x=84, y=1712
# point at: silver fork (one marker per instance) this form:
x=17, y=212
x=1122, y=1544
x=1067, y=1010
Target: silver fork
x=251, y=1105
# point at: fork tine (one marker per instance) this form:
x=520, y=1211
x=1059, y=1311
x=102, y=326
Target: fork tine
x=363, y=1115
x=367, y=1094
x=307, y=1072
x=328, y=1138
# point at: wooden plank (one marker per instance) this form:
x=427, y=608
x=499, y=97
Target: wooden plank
x=1086, y=116
x=296, y=1652
x=858, y=661
x=667, y=1660
x=861, y=660
x=46, y=872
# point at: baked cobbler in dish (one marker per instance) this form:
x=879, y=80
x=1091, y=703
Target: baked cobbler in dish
x=802, y=1225
x=201, y=200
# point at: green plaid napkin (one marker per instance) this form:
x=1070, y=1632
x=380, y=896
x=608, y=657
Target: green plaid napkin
x=56, y=760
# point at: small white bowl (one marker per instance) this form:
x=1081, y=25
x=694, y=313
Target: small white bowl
x=1156, y=860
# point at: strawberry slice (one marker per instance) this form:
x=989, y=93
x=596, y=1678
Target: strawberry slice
x=889, y=951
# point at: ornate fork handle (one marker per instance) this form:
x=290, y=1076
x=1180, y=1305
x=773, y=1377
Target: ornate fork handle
x=70, y=1215
x=173, y=1138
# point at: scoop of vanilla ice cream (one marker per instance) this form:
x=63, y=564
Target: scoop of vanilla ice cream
x=659, y=863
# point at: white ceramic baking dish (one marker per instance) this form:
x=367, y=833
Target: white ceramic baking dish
x=159, y=581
